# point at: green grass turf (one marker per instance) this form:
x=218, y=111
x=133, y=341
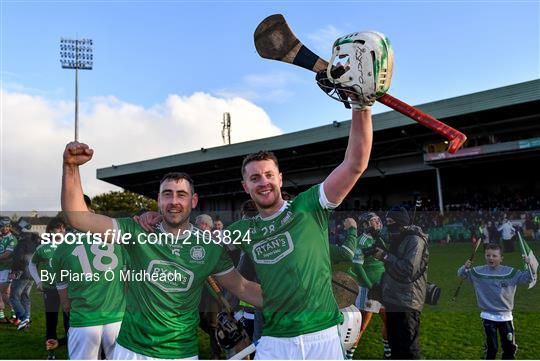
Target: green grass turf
x=450, y=330
x=453, y=330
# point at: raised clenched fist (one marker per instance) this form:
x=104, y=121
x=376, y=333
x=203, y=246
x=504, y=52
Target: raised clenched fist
x=349, y=222
x=77, y=154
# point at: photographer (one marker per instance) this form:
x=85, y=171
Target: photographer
x=403, y=283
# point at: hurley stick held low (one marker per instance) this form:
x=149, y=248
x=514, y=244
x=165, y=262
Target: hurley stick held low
x=221, y=298
x=243, y=343
x=471, y=258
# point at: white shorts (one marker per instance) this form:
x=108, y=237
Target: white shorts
x=84, y=343
x=4, y=276
x=321, y=345
x=122, y=353
x=365, y=304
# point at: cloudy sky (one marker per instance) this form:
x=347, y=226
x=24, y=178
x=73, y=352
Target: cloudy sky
x=165, y=71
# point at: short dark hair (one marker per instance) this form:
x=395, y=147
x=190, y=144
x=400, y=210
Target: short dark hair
x=176, y=176
x=260, y=155
x=494, y=246
x=55, y=223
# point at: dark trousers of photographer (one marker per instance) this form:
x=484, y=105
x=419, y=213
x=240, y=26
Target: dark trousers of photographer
x=404, y=285
x=403, y=334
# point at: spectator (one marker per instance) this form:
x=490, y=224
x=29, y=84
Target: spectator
x=404, y=283
x=494, y=236
x=22, y=279
x=218, y=224
x=507, y=232
x=484, y=233
x=7, y=246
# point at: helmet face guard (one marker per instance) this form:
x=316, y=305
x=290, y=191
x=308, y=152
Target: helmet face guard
x=367, y=216
x=228, y=332
x=349, y=330
x=360, y=68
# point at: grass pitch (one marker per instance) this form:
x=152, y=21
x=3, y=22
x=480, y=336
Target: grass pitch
x=450, y=330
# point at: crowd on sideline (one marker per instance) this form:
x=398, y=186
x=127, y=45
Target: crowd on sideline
x=465, y=216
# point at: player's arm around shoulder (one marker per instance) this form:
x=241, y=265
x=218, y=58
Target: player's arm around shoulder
x=343, y=178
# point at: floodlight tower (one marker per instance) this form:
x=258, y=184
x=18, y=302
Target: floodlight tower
x=76, y=54
x=226, y=131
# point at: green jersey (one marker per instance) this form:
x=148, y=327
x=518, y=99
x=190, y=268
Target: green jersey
x=368, y=270
x=42, y=258
x=7, y=244
x=292, y=260
x=92, y=275
x=162, y=313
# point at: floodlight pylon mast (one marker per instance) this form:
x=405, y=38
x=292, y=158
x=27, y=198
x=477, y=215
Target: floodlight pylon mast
x=76, y=54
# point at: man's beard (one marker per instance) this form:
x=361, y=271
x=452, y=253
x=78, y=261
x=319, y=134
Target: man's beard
x=178, y=224
x=183, y=220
